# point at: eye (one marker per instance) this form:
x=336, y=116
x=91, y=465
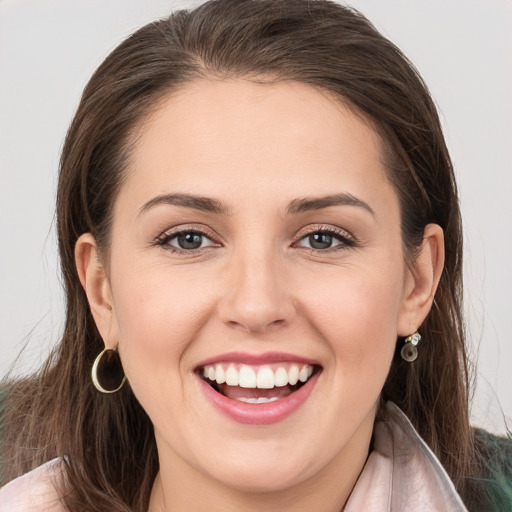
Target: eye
x=324, y=239
x=321, y=241
x=188, y=240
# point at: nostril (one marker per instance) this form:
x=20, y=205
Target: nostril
x=256, y=327
x=276, y=324
x=237, y=325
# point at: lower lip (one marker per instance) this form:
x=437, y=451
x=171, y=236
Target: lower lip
x=259, y=414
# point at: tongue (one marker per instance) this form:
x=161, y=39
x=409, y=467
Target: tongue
x=235, y=392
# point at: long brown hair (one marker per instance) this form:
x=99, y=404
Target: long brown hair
x=107, y=440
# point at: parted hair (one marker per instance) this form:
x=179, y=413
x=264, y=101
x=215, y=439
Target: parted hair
x=107, y=441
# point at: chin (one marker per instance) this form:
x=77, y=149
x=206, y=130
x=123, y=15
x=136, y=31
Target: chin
x=260, y=479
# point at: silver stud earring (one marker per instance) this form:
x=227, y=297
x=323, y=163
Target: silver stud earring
x=107, y=371
x=409, y=351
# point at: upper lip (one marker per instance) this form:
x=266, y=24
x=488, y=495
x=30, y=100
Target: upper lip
x=256, y=359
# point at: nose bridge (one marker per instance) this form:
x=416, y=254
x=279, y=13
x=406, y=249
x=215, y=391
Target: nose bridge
x=256, y=296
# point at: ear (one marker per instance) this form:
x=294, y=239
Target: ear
x=95, y=283
x=421, y=281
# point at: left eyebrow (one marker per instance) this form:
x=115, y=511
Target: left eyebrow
x=308, y=204
x=205, y=204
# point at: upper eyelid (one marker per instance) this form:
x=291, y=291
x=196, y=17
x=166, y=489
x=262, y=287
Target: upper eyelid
x=188, y=228
x=216, y=238
x=315, y=228
x=164, y=240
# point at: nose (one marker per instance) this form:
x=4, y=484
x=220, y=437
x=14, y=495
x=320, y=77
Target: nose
x=258, y=298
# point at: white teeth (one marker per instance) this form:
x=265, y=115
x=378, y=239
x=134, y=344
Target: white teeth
x=246, y=377
x=305, y=373
x=281, y=377
x=263, y=378
x=293, y=375
x=220, y=375
x=260, y=400
x=232, y=376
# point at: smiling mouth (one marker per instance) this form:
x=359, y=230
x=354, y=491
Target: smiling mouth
x=257, y=384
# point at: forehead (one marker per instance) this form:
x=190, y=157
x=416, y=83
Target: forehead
x=213, y=136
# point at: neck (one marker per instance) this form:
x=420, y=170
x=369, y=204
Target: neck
x=303, y=498
x=180, y=487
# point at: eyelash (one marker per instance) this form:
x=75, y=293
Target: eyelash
x=166, y=237
x=346, y=239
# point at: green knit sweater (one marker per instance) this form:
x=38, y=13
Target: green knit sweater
x=496, y=483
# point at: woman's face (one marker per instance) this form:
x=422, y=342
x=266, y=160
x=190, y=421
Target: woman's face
x=256, y=237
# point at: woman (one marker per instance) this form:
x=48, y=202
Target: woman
x=257, y=218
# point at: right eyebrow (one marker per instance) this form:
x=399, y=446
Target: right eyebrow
x=318, y=203
x=205, y=204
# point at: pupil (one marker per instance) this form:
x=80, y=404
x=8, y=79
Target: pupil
x=320, y=241
x=190, y=240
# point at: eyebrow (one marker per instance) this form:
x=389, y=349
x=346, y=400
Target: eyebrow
x=205, y=204
x=318, y=203
x=210, y=205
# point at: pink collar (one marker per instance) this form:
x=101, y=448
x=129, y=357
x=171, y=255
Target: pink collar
x=402, y=473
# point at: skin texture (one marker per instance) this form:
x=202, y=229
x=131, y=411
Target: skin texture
x=256, y=285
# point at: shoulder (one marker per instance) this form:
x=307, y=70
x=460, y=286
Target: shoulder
x=401, y=472
x=34, y=491
x=419, y=478
x=495, y=480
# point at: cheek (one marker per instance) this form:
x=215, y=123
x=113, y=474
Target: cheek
x=158, y=317
x=356, y=314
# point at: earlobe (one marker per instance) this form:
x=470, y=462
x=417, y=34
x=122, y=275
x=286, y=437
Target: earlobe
x=422, y=280
x=96, y=285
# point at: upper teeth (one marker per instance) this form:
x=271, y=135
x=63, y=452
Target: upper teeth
x=263, y=378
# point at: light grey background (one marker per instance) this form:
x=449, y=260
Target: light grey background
x=49, y=49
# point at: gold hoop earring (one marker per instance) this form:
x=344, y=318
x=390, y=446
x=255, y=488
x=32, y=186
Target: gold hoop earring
x=107, y=371
x=409, y=351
